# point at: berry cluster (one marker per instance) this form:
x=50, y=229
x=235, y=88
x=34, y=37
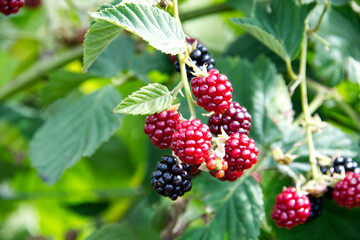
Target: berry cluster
x=340, y=164
x=347, y=192
x=316, y=207
x=8, y=7
x=171, y=178
x=191, y=140
x=199, y=56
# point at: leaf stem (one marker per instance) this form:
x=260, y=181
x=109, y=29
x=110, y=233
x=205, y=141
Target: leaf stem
x=216, y=8
x=176, y=11
x=31, y=75
x=290, y=69
x=317, y=27
x=305, y=107
x=176, y=90
x=185, y=83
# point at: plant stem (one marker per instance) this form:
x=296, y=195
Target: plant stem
x=31, y=75
x=316, y=28
x=305, y=107
x=176, y=90
x=176, y=11
x=185, y=83
x=206, y=11
x=290, y=70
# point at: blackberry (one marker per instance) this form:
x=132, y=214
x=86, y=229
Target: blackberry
x=171, y=178
x=33, y=3
x=8, y=7
x=199, y=56
x=316, y=207
x=234, y=119
x=347, y=192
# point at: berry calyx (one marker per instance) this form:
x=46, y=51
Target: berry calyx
x=291, y=208
x=171, y=178
x=214, y=92
x=191, y=141
x=8, y=7
x=240, y=152
x=234, y=119
x=347, y=192
x=159, y=127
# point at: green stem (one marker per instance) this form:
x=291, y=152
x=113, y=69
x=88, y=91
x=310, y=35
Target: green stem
x=206, y=11
x=305, y=107
x=176, y=11
x=31, y=75
x=290, y=69
x=185, y=82
x=316, y=28
x=176, y=90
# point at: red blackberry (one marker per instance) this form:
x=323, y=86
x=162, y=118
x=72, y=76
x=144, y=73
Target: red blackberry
x=214, y=92
x=159, y=127
x=171, y=178
x=32, y=3
x=191, y=142
x=234, y=119
x=217, y=167
x=240, y=152
x=199, y=56
x=316, y=207
x=291, y=208
x=8, y=7
x=347, y=192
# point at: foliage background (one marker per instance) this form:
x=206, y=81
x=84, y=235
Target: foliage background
x=71, y=170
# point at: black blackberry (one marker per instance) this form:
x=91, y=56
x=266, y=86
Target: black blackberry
x=316, y=207
x=171, y=178
x=199, y=56
x=339, y=164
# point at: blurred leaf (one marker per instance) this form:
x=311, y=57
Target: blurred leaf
x=280, y=26
x=89, y=208
x=260, y=96
x=114, y=58
x=152, y=24
x=238, y=209
x=148, y=100
x=246, y=6
x=60, y=84
x=340, y=27
x=75, y=131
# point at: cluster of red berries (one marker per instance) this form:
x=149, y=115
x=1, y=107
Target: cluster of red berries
x=190, y=140
x=292, y=207
x=8, y=7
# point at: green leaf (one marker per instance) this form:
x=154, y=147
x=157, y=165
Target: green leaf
x=280, y=26
x=75, y=131
x=149, y=99
x=261, y=97
x=98, y=37
x=152, y=24
x=60, y=84
x=115, y=58
x=340, y=27
x=238, y=209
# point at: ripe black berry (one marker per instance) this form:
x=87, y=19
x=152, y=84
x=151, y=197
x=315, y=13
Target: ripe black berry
x=171, y=178
x=199, y=56
x=8, y=7
x=316, y=207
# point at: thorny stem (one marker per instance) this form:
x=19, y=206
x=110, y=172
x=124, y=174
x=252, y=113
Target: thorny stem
x=305, y=107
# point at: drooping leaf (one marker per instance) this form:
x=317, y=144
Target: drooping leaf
x=149, y=99
x=280, y=26
x=238, y=209
x=74, y=132
x=152, y=24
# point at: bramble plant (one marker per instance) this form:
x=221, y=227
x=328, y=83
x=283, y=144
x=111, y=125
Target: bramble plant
x=242, y=126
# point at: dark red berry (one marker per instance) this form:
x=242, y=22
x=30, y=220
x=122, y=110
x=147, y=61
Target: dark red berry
x=8, y=7
x=347, y=192
x=291, y=208
x=171, y=179
x=32, y=3
x=191, y=142
x=159, y=127
x=234, y=119
x=240, y=152
x=214, y=92
x=229, y=175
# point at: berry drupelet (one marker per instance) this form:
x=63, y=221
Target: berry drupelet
x=171, y=178
x=347, y=192
x=8, y=7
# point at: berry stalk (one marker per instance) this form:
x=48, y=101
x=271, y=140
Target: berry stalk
x=185, y=82
x=305, y=107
